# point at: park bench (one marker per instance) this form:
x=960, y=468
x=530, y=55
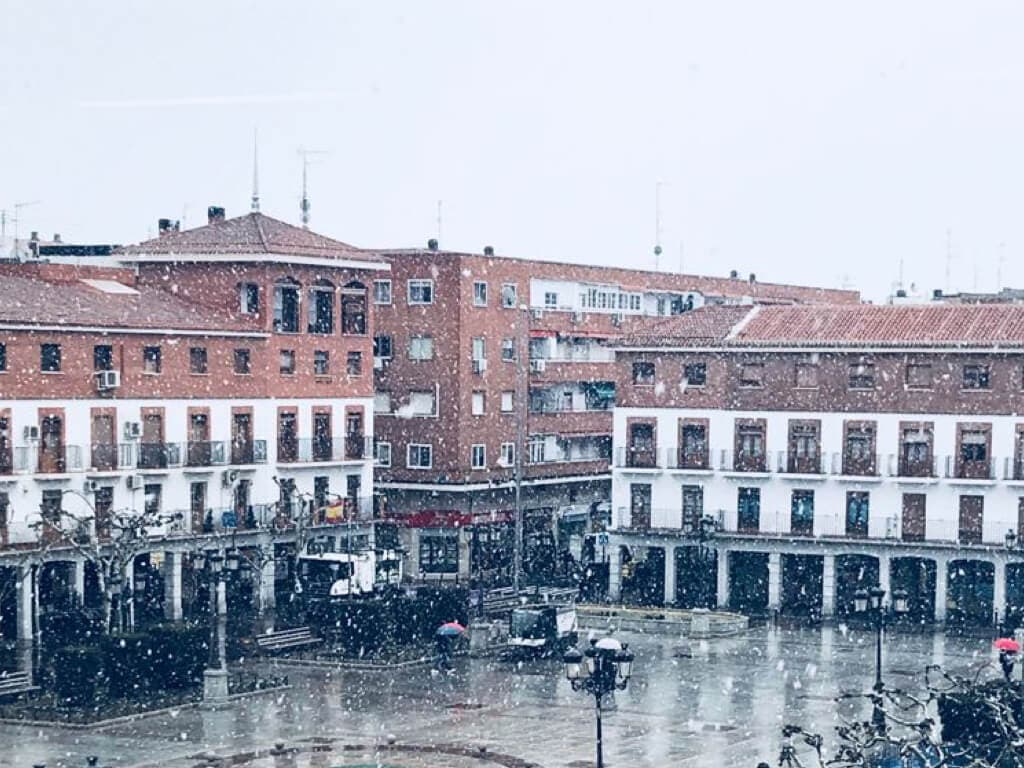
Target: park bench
x=15, y=684
x=286, y=640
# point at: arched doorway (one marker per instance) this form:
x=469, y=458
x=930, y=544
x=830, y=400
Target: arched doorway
x=748, y=581
x=696, y=577
x=916, y=576
x=854, y=572
x=643, y=576
x=969, y=592
x=802, y=586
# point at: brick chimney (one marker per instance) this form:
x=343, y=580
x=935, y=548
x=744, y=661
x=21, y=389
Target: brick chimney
x=214, y=214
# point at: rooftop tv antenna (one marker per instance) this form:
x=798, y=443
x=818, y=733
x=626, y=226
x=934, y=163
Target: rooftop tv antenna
x=304, y=206
x=949, y=258
x=256, y=171
x=4, y=218
x=657, y=225
x=440, y=203
x=999, y=266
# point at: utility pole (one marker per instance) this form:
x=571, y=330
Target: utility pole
x=304, y=205
x=521, y=395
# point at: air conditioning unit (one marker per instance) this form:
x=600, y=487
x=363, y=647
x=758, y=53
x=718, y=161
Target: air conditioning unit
x=108, y=379
x=538, y=366
x=31, y=432
x=479, y=366
x=380, y=363
x=617, y=319
x=536, y=313
x=90, y=486
x=134, y=482
x=577, y=317
x=229, y=477
x=132, y=430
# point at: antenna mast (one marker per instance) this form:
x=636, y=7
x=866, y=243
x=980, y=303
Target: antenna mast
x=657, y=225
x=304, y=205
x=949, y=258
x=256, y=171
x=440, y=203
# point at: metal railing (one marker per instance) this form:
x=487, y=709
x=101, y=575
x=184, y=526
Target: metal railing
x=314, y=449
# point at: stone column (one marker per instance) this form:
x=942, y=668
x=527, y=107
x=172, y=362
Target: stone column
x=940, y=589
x=670, y=575
x=78, y=581
x=26, y=603
x=464, y=546
x=883, y=576
x=723, y=578
x=266, y=597
x=222, y=596
x=828, y=586
x=615, y=574
x=999, y=591
x=172, y=586
x=774, y=580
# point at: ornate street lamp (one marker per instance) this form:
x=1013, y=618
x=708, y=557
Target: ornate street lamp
x=604, y=667
x=869, y=603
x=1011, y=539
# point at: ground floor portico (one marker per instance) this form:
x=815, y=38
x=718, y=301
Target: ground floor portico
x=817, y=579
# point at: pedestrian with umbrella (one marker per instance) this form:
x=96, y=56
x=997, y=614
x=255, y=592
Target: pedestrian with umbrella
x=446, y=636
x=1008, y=649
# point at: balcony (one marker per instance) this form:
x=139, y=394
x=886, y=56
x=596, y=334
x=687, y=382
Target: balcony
x=666, y=521
x=251, y=452
x=159, y=455
x=637, y=458
x=309, y=450
x=744, y=463
x=59, y=460
x=206, y=453
x=693, y=461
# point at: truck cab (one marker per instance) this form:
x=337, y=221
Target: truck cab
x=542, y=629
x=331, y=575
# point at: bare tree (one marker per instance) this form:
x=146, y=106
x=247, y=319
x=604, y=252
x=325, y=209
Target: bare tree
x=961, y=722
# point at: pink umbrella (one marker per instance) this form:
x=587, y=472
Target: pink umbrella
x=1007, y=644
x=451, y=628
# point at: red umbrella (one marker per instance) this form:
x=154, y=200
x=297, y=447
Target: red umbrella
x=1007, y=644
x=451, y=628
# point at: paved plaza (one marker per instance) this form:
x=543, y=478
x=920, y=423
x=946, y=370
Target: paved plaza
x=722, y=705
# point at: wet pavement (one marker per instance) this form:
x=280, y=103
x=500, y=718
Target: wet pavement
x=724, y=704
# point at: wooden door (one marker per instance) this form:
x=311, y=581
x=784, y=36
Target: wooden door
x=693, y=441
x=640, y=506
x=287, y=437
x=199, y=440
x=104, y=445
x=972, y=512
x=152, y=452
x=913, y=516
x=354, y=447
x=241, y=439
x=322, y=437
x=51, y=444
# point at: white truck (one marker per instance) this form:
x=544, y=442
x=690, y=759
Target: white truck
x=542, y=630
x=327, y=575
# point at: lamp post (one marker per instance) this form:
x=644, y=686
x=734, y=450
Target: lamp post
x=604, y=667
x=215, y=676
x=869, y=602
x=114, y=584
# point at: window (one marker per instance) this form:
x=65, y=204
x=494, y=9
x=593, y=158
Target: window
x=243, y=362
x=862, y=375
x=382, y=454
x=750, y=447
x=857, y=510
x=51, y=506
x=286, y=362
x=801, y=513
x=151, y=359
x=508, y=350
x=421, y=291
x=693, y=508
x=423, y=403
x=249, y=298
x=382, y=347
x=197, y=362
x=973, y=445
x=419, y=456
x=354, y=363
x=151, y=494
x=643, y=373
x=381, y=291
x=321, y=310
x=693, y=446
x=508, y=295
x=353, y=309
x=695, y=374
x=49, y=358
x=479, y=294
x=421, y=348
x=478, y=456
x=748, y=510
x=806, y=376
x=479, y=398
x=3, y=358
x=103, y=357
x=919, y=376
x=507, y=400
x=439, y=552
x=382, y=402
x=321, y=363
x=321, y=491
x=508, y=455
x=640, y=506
x=859, y=450
x=286, y=308
x=752, y=375
x=976, y=377
x=550, y=300
x=478, y=352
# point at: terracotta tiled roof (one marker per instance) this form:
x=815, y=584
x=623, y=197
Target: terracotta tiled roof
x=883, y=325
x=33, y=301
x=252, y=234
x=700, y=327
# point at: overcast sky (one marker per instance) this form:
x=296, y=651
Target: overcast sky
x=804, y=141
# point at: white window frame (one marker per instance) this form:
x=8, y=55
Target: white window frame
x=480, y=297
x=550, y=300
x=482, y=343
x=481, y=449
x=377, y=450
x=435, y=394
x=429, y=447
x=511, y=394
x=514, y=297
x=390, y=408
x=243, y=298
x=421, y=338
x=508, y=454
x=508, y=344
x=391, y=345
x=419, y=282
x=482, y=400
x=381, y=284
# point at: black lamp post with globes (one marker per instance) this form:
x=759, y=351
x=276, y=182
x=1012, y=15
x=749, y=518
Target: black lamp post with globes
x=869, y=603
x=604, y=667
